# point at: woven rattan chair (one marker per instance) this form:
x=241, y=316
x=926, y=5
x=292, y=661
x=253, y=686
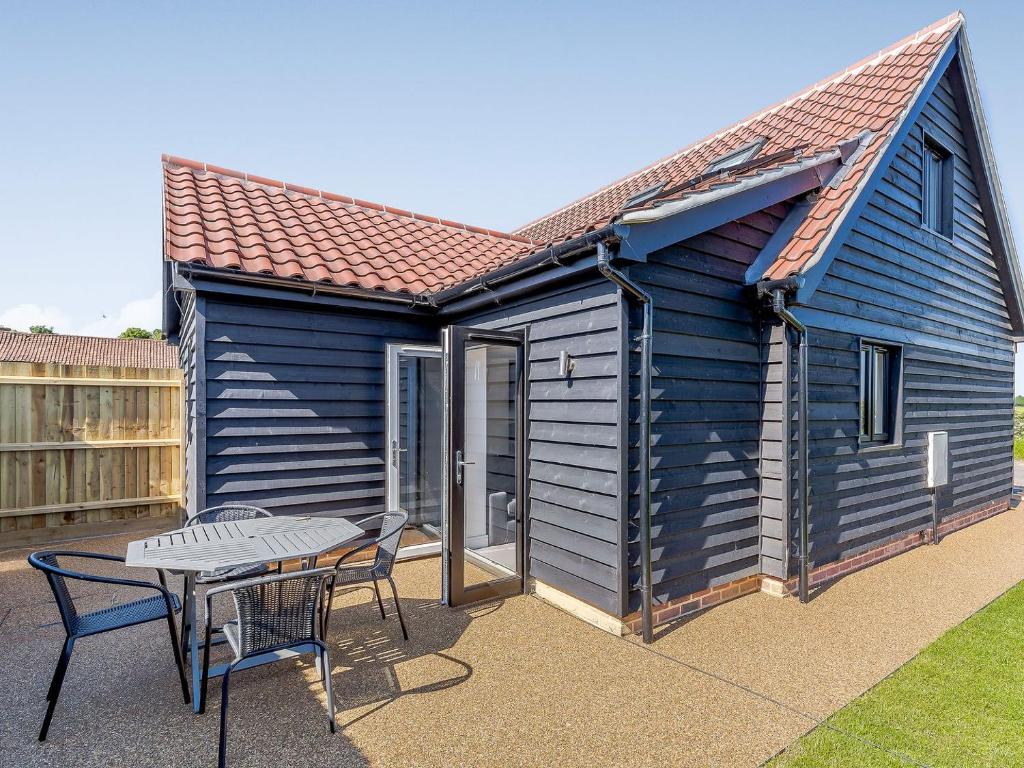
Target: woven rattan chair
x=229, y=513
x=274, y=613
x=78, y=625
x=225, y=513
x=391, y=526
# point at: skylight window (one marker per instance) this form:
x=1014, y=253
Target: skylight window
x=644, y=196
x=736, y=157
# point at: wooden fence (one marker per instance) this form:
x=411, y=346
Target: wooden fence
x=85, y=450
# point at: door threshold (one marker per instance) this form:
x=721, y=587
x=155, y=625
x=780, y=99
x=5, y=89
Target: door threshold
x=417, y=551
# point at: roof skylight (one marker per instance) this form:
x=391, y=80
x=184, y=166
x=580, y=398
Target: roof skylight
x=736, y=157
x=643, y=196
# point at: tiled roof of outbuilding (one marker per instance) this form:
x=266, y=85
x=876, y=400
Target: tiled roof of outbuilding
x=19, y=347
x=227, y=219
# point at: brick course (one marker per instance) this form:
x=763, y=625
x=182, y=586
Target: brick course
x=706, y=598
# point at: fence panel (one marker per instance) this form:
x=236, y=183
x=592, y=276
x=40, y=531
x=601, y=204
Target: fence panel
x=82, y=446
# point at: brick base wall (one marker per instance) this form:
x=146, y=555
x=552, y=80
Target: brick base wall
x=697, y=601
x=706, y=598
x=839, y=568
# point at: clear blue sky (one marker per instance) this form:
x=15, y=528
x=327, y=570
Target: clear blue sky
x=490, y=113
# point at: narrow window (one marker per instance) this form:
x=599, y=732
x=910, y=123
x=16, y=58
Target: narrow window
x=879, y=392
x=937, y=189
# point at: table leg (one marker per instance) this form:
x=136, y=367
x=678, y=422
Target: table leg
x=193, y=639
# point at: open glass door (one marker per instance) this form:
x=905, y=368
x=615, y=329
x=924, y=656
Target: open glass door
x=482, y=516
x=414, y=444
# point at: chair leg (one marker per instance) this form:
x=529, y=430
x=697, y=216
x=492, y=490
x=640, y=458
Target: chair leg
x=325, y=610
x=55, y=685
x=398, y=606
x=178, y=659
x=56, y=671
x=222, y=746
x=205, y=676
x=328, y=688
x=380, y=603
x=185, y=625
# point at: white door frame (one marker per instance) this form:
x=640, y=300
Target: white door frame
x=395, y=351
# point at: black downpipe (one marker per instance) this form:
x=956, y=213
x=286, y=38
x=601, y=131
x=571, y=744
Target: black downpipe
x=646, y=365
x=777, y=290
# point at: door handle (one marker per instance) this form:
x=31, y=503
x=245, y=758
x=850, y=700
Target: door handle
x=395, y=451
x=459, y=464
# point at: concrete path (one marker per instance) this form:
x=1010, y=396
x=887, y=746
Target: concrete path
x=514, y=683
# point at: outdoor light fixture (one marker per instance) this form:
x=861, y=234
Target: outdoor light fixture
x=565, y=364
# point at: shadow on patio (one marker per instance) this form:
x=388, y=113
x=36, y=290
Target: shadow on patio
x=510, y=683
x=120, y=705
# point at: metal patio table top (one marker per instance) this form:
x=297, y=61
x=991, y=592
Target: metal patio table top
x=214, y=546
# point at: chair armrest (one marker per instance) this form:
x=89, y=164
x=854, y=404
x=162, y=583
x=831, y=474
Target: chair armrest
x=376, y=542
x=100, y=579
x=356, y=551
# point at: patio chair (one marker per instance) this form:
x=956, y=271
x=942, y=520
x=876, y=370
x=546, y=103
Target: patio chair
x=274, y=613
x=225, y=513
x=78, y=625
x=229, y=513
x=392, y=525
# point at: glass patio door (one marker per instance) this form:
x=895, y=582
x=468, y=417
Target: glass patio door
x=483, y=458
x=414, y=444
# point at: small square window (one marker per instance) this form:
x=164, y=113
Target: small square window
x=937, y=188
x=879, y=392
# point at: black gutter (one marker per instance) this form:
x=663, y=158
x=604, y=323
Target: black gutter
x=553, y=255
x=304, y=286
x=777, y=291
x=646, y=365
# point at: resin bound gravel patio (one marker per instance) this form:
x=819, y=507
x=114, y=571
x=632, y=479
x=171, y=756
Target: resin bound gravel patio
x=513, y=683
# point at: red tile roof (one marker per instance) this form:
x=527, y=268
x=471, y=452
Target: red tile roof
x=872, y=95
x=18, y=347
x=228, y=219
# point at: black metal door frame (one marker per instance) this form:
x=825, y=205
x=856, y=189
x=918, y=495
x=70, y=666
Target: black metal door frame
x=454, y=341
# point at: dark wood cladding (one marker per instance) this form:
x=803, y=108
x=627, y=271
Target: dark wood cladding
x=285, y=402
x=295, y=406
x=574, y=480
x=941, y=299
x=776, y=449
x=188, y=346
x=706, y=410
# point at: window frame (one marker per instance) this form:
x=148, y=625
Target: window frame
x=890, y=434
x=735, y=157
x=933, y=149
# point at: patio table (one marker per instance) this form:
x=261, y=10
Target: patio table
x=213, y=546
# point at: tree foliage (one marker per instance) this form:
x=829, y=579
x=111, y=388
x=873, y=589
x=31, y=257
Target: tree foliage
x=140, y=333
x=40, y=329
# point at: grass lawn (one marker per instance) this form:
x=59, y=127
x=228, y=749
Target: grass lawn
x=960, y=702
x=1018, y=432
